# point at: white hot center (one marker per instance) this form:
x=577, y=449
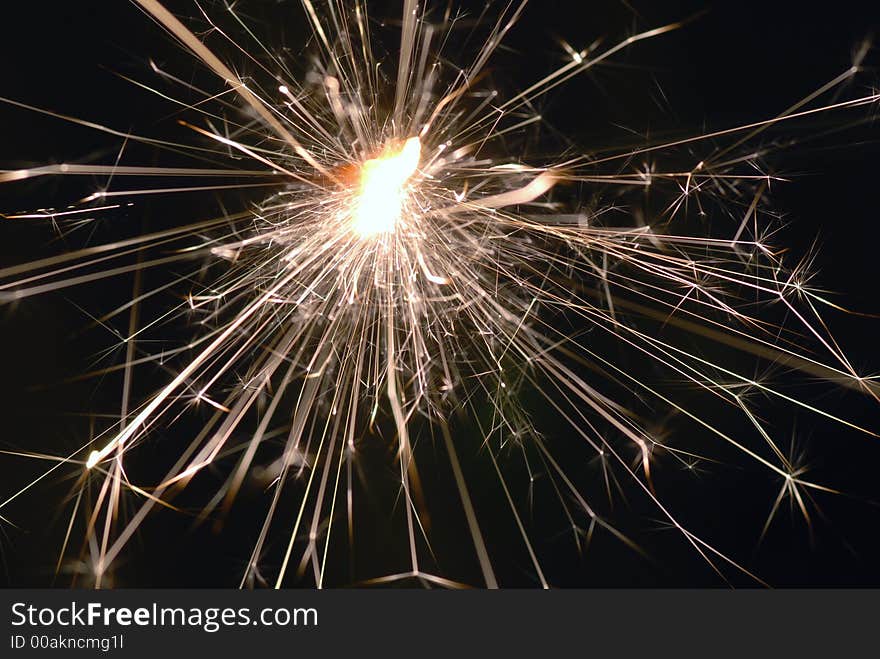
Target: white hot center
x=383, y=189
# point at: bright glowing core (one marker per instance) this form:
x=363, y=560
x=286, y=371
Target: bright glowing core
x=382, y=189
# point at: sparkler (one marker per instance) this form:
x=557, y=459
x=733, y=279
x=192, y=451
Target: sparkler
x=405, y=269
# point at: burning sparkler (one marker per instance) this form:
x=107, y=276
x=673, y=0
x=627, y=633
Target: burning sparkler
x=405, y=270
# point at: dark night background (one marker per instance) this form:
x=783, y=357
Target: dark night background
x=738, y=62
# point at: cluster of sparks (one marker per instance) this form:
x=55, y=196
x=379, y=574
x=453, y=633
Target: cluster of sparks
x=406, y=269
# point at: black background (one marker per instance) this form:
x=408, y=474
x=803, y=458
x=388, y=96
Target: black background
x=739, y=62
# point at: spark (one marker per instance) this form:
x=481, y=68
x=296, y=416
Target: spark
x=405, y=269
x=93, y=459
